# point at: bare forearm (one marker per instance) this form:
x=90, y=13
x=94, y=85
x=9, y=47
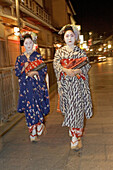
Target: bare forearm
x=72, y=72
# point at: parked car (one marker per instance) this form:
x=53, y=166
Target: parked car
x=96, y=58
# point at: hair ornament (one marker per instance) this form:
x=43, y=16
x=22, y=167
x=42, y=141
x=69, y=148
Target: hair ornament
x=33, y=35
x=74, y=28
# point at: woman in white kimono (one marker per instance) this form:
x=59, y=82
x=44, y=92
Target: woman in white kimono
x=75, y=99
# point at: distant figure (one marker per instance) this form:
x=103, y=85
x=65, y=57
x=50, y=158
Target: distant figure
x=33, y=93
x=73, y=86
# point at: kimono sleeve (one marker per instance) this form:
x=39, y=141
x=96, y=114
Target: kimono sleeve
x=42, y=72
x=87, y=67
x=56, y=64
x=18, y=67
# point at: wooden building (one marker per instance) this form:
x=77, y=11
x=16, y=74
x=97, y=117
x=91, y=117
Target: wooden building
x=44, y=17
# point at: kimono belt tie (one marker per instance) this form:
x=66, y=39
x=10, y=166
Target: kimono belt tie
x=74, y=64
x=35, y=65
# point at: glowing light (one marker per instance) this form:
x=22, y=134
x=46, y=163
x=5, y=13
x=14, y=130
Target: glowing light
x=109, y=45
x=91, y=49
x=35, y=46
x=57, y=45
x=16, y=31
x=104, y=45
x=100, y=49
x=85, y=45
x=81, y=37
x=78, y=27
x=90, y=33
x=102, y=58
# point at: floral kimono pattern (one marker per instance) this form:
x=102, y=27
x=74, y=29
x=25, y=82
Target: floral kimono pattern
x=33, y=93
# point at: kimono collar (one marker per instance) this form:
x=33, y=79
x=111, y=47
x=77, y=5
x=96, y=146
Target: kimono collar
x=28, y=54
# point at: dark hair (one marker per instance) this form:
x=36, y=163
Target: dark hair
x=27, y=36
x=68, y=28
x=24, y=37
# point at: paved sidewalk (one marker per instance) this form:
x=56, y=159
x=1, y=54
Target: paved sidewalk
x=5, y=127
x=53, y=151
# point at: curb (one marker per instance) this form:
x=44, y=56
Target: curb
x=5, y=127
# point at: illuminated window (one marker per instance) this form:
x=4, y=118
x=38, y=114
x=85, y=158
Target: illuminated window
x=43, y=52
x=49, y=53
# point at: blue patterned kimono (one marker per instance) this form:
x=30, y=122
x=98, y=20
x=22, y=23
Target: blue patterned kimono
x=33, y=93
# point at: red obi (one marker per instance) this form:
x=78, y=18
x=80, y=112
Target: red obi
x=32, y=65
x=74, y=64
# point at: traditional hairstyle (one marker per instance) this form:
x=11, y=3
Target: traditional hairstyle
x=70, y=27
x=27, y=36
x=67, y=28
x=31, y=35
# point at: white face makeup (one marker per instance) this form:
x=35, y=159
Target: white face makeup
x=69, y=38
x=28, y=44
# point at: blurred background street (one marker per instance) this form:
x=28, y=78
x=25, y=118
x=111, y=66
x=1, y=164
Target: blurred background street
x=53, y=150
x=44, y=18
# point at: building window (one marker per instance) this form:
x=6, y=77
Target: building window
x=48, y=53
x=43, y=53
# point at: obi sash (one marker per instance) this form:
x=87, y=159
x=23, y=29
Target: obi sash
x=74, y=64
x=35, y=66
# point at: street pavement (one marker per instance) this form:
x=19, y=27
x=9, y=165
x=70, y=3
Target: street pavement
x=52, y=151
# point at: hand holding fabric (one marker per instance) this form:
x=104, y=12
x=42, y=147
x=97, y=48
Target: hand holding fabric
x=32, y=73
x=26, y=64
x=72, y=72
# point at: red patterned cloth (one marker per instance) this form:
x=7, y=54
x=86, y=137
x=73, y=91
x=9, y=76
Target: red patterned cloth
x=32, y=65
x=73, y=63
x=33, y=127
x=77, y=132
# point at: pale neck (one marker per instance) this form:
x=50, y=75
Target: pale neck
x=28, y=52
x=70, y=48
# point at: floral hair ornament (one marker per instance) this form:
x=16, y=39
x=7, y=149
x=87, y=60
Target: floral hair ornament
x=74, y=28
x=33, y=36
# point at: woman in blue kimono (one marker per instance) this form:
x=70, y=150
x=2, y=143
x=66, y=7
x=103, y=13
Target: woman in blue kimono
x=33, y=93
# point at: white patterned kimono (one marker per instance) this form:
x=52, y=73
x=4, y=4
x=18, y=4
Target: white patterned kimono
x=75, y=98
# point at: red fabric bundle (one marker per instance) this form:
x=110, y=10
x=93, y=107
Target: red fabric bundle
x=74, y=63
x=32, y=65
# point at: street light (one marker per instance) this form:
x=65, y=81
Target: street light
x=16, y=31
x=109, y=45
x=100, y=49
x=104, y=45
x=91, y=49
x=90, y=33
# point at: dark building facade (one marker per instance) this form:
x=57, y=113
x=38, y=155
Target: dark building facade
x=45, y=18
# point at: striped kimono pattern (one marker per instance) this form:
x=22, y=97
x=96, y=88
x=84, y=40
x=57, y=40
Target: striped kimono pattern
x=75, y=98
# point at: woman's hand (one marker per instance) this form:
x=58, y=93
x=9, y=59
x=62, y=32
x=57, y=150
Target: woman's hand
x=72, y=72
x=26, y=64
x=32, y=73
x=77, y=71
x=69, y=72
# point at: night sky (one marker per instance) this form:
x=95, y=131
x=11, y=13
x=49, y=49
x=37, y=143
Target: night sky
x=93, y=15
